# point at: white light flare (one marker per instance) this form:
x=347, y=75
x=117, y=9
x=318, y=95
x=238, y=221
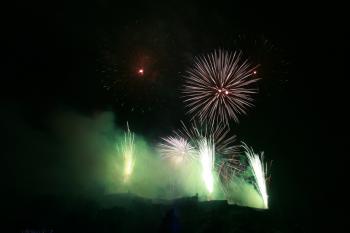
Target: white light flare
x=256, y=163
x=206, y=148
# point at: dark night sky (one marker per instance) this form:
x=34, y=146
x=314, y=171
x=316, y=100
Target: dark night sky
x=57, y=54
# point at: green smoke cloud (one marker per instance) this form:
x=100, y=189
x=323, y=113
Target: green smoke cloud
x=77, y=154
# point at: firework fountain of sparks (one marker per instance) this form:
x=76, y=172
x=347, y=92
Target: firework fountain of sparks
x=128, y=150
x=256, y=163
x=218, y=87
x=225, y=146
x=220, y=134
x=176, y=148
x=206, y=152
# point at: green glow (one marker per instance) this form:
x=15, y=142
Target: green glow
x=138, y=167
x=88, y=157
x=239, y=191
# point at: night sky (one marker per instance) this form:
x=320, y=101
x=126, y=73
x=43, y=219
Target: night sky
x=63, y=57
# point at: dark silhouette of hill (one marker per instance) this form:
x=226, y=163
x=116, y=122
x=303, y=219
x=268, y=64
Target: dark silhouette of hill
x=129, y=213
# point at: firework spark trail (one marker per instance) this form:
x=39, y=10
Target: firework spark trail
x=228, y=167
x=224, y=144
x=128, y=149
x=176, y=148
x=259, y=170
x=217, y=88
x=206, y=149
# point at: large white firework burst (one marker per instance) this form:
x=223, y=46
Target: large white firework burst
x=218, y=86
x=176, y=149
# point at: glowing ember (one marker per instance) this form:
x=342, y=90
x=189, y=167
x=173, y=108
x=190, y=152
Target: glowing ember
x=140, y=71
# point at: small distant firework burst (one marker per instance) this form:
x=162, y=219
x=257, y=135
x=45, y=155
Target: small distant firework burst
x=206, y=151
x=265, y=52
x=218, y=87
x=128, y=149
x=259, y=170
x=176, y=148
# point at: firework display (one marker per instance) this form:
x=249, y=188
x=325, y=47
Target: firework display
x=166, y=116
x=202, y=157
x=219, y=87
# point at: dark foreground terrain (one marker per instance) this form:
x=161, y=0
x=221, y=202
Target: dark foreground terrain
x=128, y=213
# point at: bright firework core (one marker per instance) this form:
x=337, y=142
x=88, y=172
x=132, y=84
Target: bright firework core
x=140, y=71
x=223, y=91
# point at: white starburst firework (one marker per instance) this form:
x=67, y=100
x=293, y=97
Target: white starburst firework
x=177, y=149
x=218, y=87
